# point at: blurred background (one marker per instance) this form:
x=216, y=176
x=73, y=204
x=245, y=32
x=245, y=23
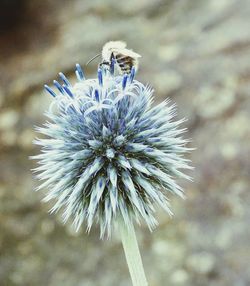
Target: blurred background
x=195, y=52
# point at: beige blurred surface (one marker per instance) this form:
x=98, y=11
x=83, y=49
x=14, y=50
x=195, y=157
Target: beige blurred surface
x=195, y=52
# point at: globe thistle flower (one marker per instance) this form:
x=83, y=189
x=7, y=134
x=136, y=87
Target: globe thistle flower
x=108, y=152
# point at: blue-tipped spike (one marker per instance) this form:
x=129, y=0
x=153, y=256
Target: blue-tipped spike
x=100, y=78
x=68, y=91
x=58, y=86
x=97, y=96
x=64, y=79
x=78, y=76
x=124, y=81
x=132, y=74
x=112, y=66
x=49, y=90
x=79, y=73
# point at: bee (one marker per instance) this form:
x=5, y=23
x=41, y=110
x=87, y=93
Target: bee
x=115, y=52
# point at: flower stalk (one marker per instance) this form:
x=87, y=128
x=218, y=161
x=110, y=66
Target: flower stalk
x=132, y=254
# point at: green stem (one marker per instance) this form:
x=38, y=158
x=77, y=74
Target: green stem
x=133, y=256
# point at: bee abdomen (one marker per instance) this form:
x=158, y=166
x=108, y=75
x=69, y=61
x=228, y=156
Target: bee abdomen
x=125, y=63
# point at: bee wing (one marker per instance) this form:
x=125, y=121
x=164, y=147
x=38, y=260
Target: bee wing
x=129, y=53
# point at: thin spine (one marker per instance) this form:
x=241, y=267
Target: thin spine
x=68, y=91
x=79, y=73
x=58, y=86
x=112, y=66
x=64, y=79
x=49, y=90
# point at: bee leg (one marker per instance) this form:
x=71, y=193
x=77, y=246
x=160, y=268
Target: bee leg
x=104, y=63
x=110, y=65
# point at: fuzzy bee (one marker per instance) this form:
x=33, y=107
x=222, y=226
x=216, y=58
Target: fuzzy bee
x=117, y=53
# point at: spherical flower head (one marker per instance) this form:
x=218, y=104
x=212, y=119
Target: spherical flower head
x=108, y=153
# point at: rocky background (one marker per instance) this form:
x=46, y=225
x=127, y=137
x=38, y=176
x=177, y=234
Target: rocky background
x=195, y=52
